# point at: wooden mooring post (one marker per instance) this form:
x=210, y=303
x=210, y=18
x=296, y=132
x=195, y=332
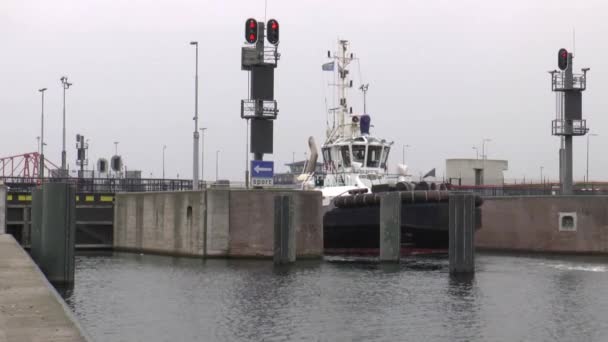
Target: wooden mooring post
x=390, y=227
x=284, y=230
x=462, y=233
x=53, y=231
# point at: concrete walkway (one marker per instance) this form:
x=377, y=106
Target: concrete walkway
x=30, y=309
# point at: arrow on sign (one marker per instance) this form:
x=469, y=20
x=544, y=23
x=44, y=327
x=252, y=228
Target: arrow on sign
x=258, y=168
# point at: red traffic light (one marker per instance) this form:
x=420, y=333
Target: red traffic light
x=251, y=31
x=272, y=31
x=562, y=59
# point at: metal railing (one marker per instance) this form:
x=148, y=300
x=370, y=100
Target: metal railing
x=102, y=185
x=541, y=189
x=559, y=81
x=569, y=127
x=114, y=185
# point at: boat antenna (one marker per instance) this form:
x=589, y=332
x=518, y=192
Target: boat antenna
x=573, y=41
x=364, y=88
x=327, y=112
x=265, y=7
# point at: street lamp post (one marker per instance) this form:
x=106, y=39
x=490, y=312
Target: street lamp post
x=484, y=155
x=42, y=135
x=541, y=175
x=403, y=156
x=217, y=158
x=196, y=134
x=116, y=147
x=164, y=148
x=203, y=129
x=587, y=171
x=483, y=160
x=65, y=84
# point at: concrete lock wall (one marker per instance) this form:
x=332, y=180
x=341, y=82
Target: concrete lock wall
x=252, y=223
x=223, y=222
x=218, y=222
x=163, y=222
x=533, y=224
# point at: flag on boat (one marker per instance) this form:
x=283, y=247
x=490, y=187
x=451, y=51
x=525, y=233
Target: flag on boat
x=328, y=66
x=430, y=174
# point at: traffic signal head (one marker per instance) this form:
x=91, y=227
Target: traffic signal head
x=251, y=31
x=562, y=59
x=272, y=31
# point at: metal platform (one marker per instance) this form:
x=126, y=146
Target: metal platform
x=569, y=127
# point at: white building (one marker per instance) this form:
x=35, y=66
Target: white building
x=475, y=171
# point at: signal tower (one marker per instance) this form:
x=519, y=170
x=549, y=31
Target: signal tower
x=568, y=122
x=261, y=107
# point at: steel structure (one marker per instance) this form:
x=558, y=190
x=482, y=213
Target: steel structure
x=568, y=121
x=26, y=165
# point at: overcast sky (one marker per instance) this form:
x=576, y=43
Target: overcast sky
x=443, y=75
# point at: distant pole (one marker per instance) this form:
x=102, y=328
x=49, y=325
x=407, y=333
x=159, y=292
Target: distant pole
x=483, y=158
x=247, y=155
x=483, y=148
x=41, y=172
x=217, y=157
x=541, y=175
x=587, y=171
x=116, y=147
x=195, y=142
x=164, y=148
x=65, y=84
x=403, y=156
x=203, y=129
x=38, y=144
x=476, y=152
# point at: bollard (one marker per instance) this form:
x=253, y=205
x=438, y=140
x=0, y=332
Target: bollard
x=36, y=227
x=2, y=208
x=390, y=227
x=461, y=230
x=284, y=230
x=57, y=233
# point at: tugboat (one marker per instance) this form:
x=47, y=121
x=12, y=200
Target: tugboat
x=355, y=166
x=353, y=159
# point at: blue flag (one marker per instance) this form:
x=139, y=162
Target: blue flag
x=328, y=66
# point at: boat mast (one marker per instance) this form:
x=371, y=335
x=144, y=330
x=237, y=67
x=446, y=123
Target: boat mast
x=341, y=113
x=341, y=85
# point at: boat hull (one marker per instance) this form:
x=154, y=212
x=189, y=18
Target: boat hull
x=423, y=225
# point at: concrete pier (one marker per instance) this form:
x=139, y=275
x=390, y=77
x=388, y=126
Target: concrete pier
x=390, y=227
x=30, y=308
x=2, y=208
x=555, y=224
x=36, y=226
x=462, y=233
x=284, y=230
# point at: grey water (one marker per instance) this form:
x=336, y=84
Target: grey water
x=132, y=297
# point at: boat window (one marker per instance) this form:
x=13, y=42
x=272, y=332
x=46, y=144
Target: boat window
x=385, y=157
x=373, y=156
x=359, y=153
x=345, y=156
x=326, y=155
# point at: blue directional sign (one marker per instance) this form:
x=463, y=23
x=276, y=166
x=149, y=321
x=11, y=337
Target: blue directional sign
x=262, y=172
